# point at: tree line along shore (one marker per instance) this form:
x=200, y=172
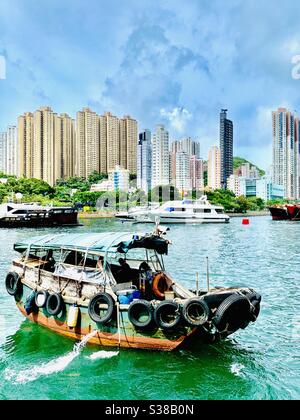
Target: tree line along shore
x=76, y=192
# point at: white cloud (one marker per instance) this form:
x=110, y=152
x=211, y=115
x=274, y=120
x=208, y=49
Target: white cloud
x=177, y=117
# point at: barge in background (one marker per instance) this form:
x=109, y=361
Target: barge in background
x=286, y=212
x=33, y=215
x=114, y=288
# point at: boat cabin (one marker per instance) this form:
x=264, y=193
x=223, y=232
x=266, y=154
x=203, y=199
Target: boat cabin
x=113, y=260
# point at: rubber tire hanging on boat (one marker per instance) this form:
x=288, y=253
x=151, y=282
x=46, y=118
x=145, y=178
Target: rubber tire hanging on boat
x=55, y=304
x=195, y=312
x=45, y=294
x=164, y=311
x=255, y=300
x=136, y=308
x=13, y=284
x=103, y=298
x=234, y=313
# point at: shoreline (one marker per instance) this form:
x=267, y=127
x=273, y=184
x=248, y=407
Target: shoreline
x=111, y=215
x=250, y=214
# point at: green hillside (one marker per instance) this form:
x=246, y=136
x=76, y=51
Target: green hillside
x=238, y=161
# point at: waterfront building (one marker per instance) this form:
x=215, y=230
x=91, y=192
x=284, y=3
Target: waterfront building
x=160, y=157
x=12, y=150
x=267, y=190
x=234, y=185
x=247, y=187
x=120, y=178
x=214, y=168
x=87, y=143
x=286, y=152
x=144, y=161
x=242, y=186
x=226, y=148
x=183, y=180
x=3, y=152
x=196, y=173
x=105, y=185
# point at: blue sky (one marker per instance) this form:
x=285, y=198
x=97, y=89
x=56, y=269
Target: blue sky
x=170, y=62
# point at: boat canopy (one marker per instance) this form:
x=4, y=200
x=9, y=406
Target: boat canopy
x=111, y=242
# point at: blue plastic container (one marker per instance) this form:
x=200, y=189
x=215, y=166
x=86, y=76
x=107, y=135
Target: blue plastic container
x=124, y=300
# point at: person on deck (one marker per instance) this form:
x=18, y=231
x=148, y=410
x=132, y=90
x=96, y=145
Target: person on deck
x=125, y=272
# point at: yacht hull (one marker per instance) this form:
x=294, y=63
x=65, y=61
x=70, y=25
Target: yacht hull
x=180, y=220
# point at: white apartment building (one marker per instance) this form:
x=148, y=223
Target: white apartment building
x=286, y=164
x=120, y=179
x=160, y=157
x=183, y=180
x=3, y=152
x=196, y=173
x=234, y=184
x=144, y=161
x=12, y=150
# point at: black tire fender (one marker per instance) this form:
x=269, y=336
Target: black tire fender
x=94, y=308
x=45, y=295
x=55, y=304
x=167, y=315
x=13, y=284
x=195, y=312
x=233, y=314
x=137, y=308
x=255, y=300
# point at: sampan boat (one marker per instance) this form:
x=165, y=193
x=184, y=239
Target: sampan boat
x=114, y=287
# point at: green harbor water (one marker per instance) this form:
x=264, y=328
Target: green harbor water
x=261, y=362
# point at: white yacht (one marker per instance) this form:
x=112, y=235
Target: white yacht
x=186, y=211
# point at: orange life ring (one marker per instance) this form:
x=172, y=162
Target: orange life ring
x=161, y=284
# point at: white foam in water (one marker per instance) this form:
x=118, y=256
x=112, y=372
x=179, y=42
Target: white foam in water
x=57, y=365
x=236, y=369
x=103, y=355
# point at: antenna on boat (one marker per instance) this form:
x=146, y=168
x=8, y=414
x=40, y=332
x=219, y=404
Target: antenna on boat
x=207, y=274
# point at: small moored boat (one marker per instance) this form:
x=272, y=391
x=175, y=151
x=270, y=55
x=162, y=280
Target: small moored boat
x=286, y=212
x=115, y=286
x=14, y=215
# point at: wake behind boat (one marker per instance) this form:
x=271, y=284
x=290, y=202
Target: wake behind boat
x=116, y=285
x=186, y=211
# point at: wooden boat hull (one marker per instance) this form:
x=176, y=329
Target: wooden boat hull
x=108, y=335
x=288, y=212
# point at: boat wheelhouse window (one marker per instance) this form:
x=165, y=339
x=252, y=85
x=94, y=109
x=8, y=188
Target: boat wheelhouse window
x=220, y=211
x=72, y=257
x=198, y=211
x=207, y=210
x=180, y=209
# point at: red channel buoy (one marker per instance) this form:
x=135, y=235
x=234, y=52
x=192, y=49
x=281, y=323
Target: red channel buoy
x=246, y=222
